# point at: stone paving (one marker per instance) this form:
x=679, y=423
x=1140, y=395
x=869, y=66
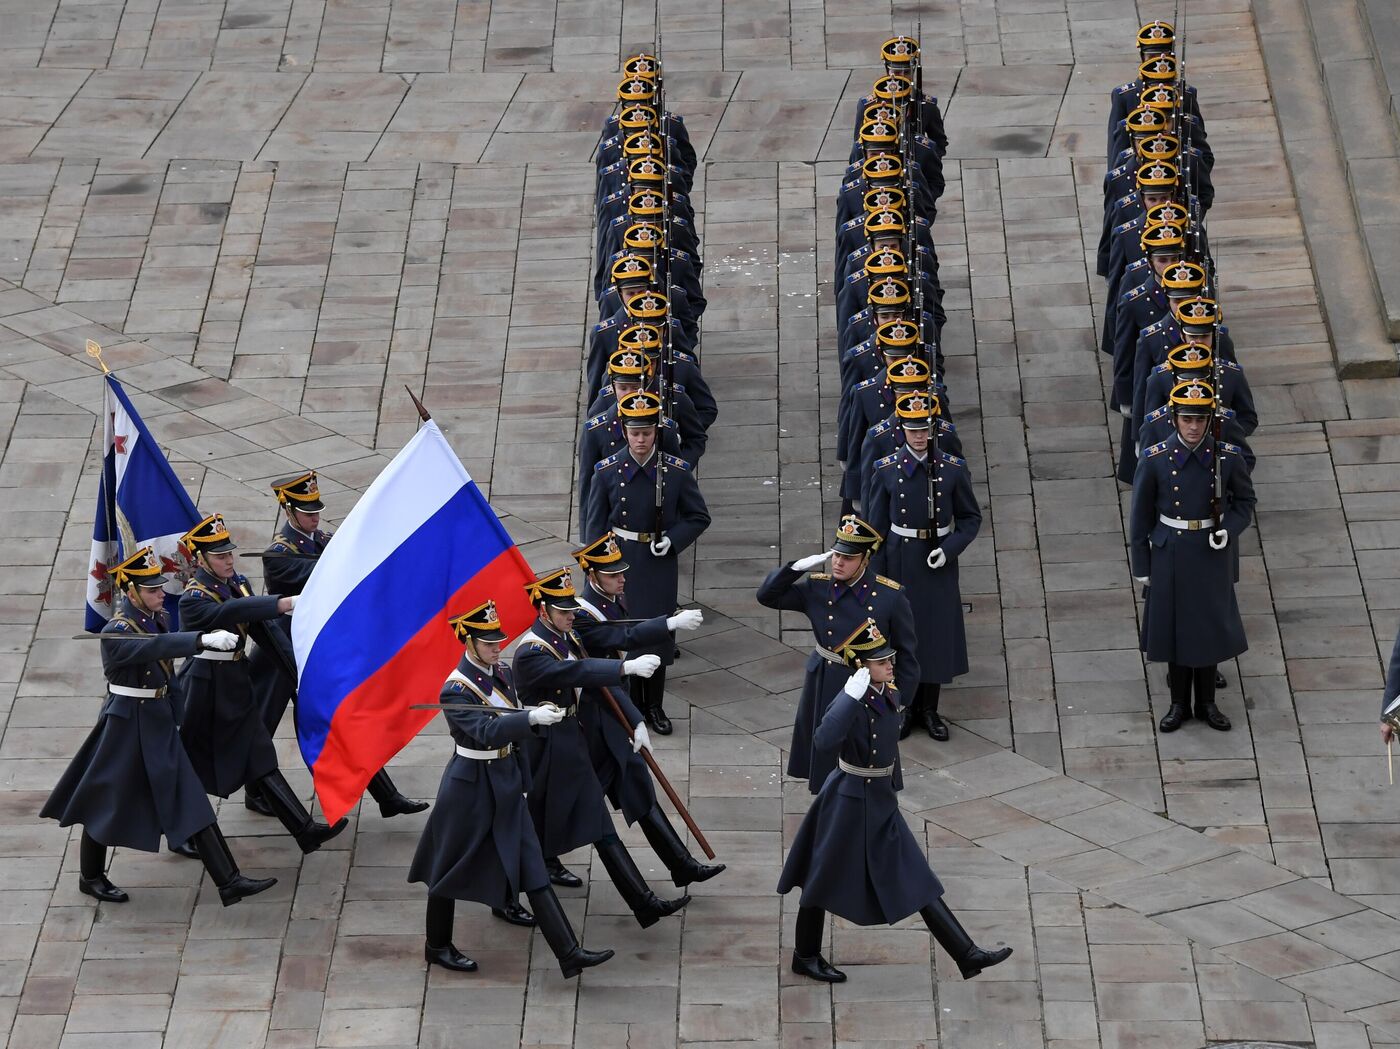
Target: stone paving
x=276, y=214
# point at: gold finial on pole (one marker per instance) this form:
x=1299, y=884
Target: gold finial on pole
x=95, y=352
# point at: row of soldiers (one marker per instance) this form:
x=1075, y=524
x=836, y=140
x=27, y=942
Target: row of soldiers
x=886, y=613
x=1183, y=396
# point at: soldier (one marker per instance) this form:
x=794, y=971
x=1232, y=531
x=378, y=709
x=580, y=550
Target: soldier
x=877, y=172
x=643, y=305
x=889, y=301
x=628, y=145
x=479, y=843
x=222, y=727
x=131, y=782
x=865, y=405
x=678, y=269
x=606, y=631
x=875, y=227
x=623, y=499
x=634, y=269
x=925, y=253
x=853, y=854
x=891, y=340
x=566, y=800
x=887, y=436
x=927, y=527
x=1391, y=693
x=288, y=562
x=854, y=294
x=625, y=233
x=900, y=55
x=1193, y=360
x=1178, y=539
x=630, y=93
x=835, y=604
x=687, y=386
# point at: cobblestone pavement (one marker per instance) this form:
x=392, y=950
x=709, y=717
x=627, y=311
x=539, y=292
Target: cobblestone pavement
x=275, y=213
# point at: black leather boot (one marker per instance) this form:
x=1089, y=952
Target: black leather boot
x=559, y=934
x=514, y=914
x=807, y=957
x=184, y=849
x=561, y=875
x=1203, y=681
x=391, y=802
x=253, y=801
x=310, y=834
x=223, y=871
x=646, y=906
x=438, y=949
x=647, y=694
x=92, y=872
x=1179, y=681
x=928, y=713
x=953, y=938
x=666, y=843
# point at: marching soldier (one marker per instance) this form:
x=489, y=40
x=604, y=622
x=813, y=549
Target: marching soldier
x=631, y=270
x=649, y=500
x=678, y=269
x=647, y=67
x=835, y=603
x=853, y=854
x=131, y=782
x=927, y=527
x=479, y=843
x=566, y=799
x=873, y=228
x=854, y=294
x=887, y=436
x=1191, y=360
x=882, y=171
x=644, y=305
x=606, y=631
x=900, y=55
x=867, y=403
x=222, y=728
x=1178, y=538
x=892, y=340
x=287, y=563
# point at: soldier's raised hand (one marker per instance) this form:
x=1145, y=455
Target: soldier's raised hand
x=641, y=666
x=685, y=619
x=219, y=640
x=937, y=558
x=806, y=564
x=859, y=684
x=546, y=716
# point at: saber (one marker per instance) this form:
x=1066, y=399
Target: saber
x=475, y=706
x=291, y=555
x=114, y=637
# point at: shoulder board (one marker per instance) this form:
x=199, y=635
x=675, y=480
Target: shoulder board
x=919, y=220
x=681, y=355
x=1133, y=293
x=1125, y=227
x=1196, y=151
x=1232, y=366
x=279, y=546
x=1122, y=88
x=1153, y=328
x=605, y=325
x=888, y=460
x=1127, y=198
x=1156, y=449
x=1122, y=169
x=883, y=426
x=676, y=253
x=863, y=315
x=819, y=576
x=609, y=142
x=851, y=183
x=953, y=459
x=886, y=581
x=854, y=223
x=1226, y=413
x=618, y=165
x=1136, y=264
x=456, y=686
x=619, y=194
x=1232, y=449
x=670, y=423
x=1157, y=413
x=117, y=626
x=676, y=461
x=868, y=382
x=603, y=464
x=596, y=421
x=1165, y=366
x=859, y=253
x=946, y=426
x=679, y=387
x=857, y=276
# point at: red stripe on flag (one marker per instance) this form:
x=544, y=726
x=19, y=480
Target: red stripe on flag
x=374, y=722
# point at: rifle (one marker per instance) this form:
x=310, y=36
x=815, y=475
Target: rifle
x=668, y=365
x=917, y=100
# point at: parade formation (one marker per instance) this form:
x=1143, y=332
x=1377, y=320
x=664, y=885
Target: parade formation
x=553, y=742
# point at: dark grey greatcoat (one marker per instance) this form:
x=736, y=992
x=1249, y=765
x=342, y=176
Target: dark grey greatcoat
x=853, y=854
x=479, y=842
x=623, y=773
x=131, y=781
x=835, y=610
x=1191, y=617
x=566, y=799
x=222, y=727
x=284, y=576
x=623, y=496
x=898, y=494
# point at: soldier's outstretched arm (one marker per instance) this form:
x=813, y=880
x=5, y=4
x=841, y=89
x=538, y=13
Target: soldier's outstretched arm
x=117, y=654
x=204, y=613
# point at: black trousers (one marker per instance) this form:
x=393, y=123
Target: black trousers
x=648, y=692
x=1186, y=681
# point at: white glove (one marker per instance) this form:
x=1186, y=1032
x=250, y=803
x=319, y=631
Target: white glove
x=859, y=684
x=685, y=619
x=806, y=564
x=546, y=716
x=292, y=598
x=1219, y=539
x=641, y=666
x=937, y=558
x=219, y=640
x=1142, y=579
x=661, y=547
x=640, y=738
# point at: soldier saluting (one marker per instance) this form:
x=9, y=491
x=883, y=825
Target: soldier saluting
x=479, y=844
x=131, y=781
x=1192, y=496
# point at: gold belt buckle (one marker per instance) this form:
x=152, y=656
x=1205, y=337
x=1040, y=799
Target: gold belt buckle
x=503, y=752
x=1193, y=526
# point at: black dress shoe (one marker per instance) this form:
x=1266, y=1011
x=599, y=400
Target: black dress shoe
x=315, y=834
x=561, y=875
x=653, y=908
x=1213, y=716
x=817, y=968
x=253, y=801
x=515, y=915
x=400, y=806
x=934, y=726
x=977, y=959
x=1220, y=681
x=242, y=887
x=184, y=849
x=580, y=958
x=99, y=888
x=449, y=958
x=1172, y=719
x=658, y=722
x=695, y=871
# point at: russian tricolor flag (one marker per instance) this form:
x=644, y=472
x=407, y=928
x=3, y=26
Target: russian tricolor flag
x=370, y=629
